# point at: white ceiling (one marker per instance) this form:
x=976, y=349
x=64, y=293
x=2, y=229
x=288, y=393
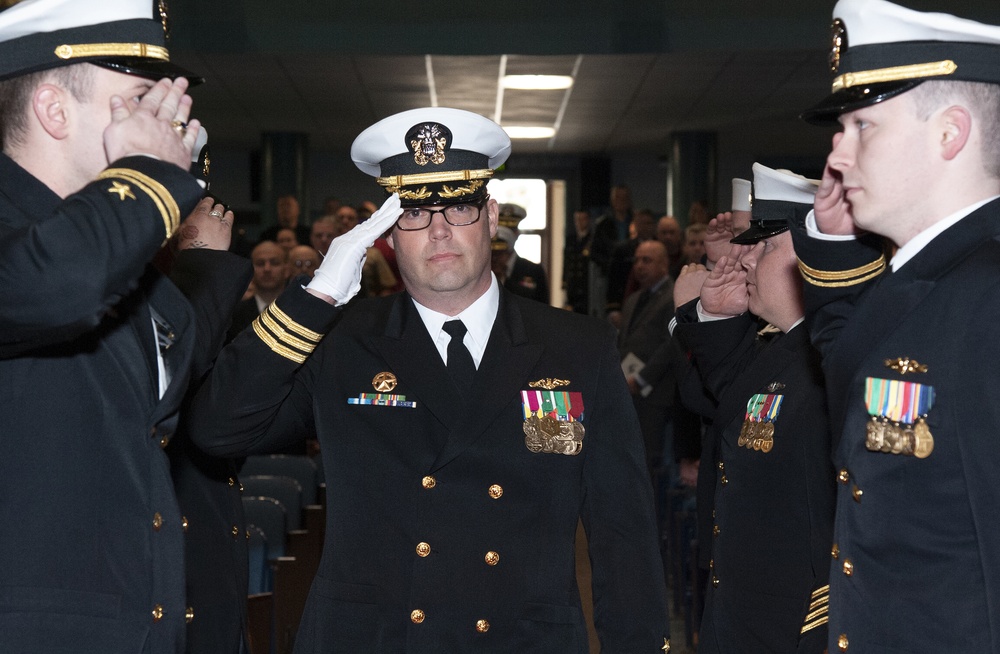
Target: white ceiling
x=618, y=103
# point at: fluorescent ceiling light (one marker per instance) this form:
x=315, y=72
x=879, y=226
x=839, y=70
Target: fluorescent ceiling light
x=537, y=82
x=529, y=132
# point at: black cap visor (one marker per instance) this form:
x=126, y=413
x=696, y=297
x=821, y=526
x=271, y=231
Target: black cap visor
x=853, y=98
x=155, y=69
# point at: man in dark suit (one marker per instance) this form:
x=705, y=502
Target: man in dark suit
x=772, y=517
x=908, y=352
x=463, y=433
x=96, y=346
x=517, y=274
x=645, y=347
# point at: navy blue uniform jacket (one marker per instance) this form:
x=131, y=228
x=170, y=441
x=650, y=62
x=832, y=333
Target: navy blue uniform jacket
x=444, y=532
x=91, y=538
x=772, y=519
x=917, y=565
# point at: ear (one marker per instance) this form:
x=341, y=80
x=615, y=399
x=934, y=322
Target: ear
x=388, y=239
x=493, y=213
x=51, y=109
x=956, y=127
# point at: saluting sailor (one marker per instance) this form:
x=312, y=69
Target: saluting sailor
x=96, y=346
x=463, y=435
x=909, y=346
x=772, y=519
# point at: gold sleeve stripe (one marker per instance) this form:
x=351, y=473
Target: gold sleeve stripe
x=275, y=346
x=839, y=275
x=809, y=626
x=842, y=278
x=816, y=603
x=812, y=615
x=819, y=609
x=293, y=326
x=157, y=192
x=283, y=336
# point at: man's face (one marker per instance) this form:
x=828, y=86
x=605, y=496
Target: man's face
x=288, y=211
x=621, y=199
x=651, y=263
x=322, y=234
x=348, y=218
x=269, y=270
x=645, y=226
x=883, y=156
x=93, y=115
x=302, y=260
x=286, y=238
x=694, y=246
x=443, y=264
x=774, y=285
x=582, y=221
x=668, y=232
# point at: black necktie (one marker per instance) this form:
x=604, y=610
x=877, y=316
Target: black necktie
x=460, y=364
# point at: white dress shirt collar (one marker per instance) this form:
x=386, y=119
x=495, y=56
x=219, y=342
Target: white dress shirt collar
x=478, y=318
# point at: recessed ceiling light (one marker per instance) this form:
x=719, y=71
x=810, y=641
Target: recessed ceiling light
x=537, y=82
x=529, y=132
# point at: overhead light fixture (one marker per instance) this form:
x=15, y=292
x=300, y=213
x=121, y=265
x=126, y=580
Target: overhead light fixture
x=537, y=82
x=529, y=132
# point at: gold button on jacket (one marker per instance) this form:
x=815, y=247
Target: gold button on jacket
x=417, y=616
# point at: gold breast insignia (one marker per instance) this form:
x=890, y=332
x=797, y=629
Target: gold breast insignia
x=903, y=365
x=548, y=383
x=384, y=382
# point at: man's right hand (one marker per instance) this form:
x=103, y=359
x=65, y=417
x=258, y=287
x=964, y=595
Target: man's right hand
x=147, y=127
x=831, y=208
x=717, y=237
x=338, y=278
x=689, y=282
x=724, y=292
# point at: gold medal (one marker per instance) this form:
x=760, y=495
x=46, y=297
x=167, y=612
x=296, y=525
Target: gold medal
x=532, y=435
x=767, y=444
x=549, y=426
x=767, y=430
x=923, y=441
x=745, y=431
x=872, y=435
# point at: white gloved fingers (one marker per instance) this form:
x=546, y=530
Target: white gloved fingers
x=382, y=220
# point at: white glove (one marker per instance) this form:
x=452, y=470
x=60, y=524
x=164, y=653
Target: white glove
x=339, y=276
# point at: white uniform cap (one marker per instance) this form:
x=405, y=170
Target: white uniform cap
x=742, y=194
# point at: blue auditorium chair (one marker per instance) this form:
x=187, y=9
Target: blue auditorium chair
x=302, y=469
x=284, y=489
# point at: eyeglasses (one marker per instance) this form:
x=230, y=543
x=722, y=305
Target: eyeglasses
x=457, y=215
x=304, y=263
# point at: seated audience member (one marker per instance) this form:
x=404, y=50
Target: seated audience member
x=270, y=274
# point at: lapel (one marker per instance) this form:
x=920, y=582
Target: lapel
x=507, y=361
x=174, y=308
x=767, y=367
x=898, y=294
x=412, y=356
x=503, y=372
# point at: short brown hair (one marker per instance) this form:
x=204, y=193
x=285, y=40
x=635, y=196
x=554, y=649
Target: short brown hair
x=981, y=99
x=15, y=96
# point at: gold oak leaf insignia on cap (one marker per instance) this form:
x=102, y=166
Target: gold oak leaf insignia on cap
x=549, y=383
x=123, y=190
x=903, y=365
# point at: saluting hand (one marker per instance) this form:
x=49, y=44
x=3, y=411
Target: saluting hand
x=153, y=125
x=831, y=207
x=338, y=278
x=689, y=283
x=724, y=292
x=717, y=237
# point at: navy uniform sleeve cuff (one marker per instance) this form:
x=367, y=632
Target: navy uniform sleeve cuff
x=294, y=324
